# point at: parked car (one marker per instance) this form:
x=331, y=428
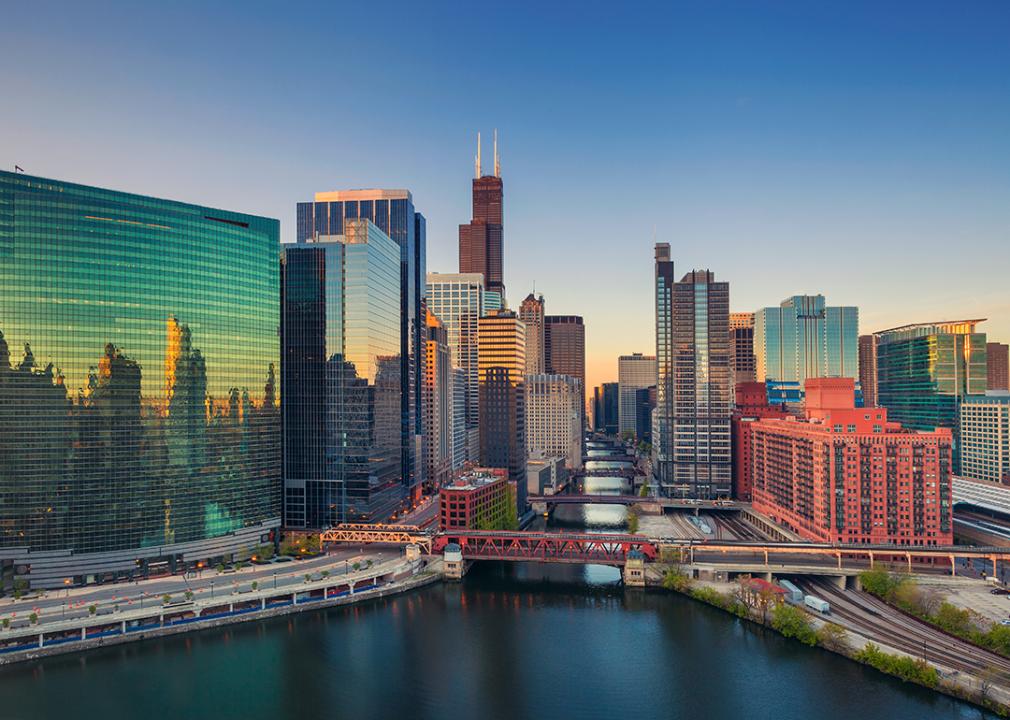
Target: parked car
x=999, y=591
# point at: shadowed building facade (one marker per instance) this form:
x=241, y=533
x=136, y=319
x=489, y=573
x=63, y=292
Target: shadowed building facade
x=139, y=427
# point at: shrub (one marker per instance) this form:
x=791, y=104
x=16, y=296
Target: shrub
x=189, y=594
x=33, y=618
x=832, y=636
x=6, y=623
x=166, y=598
x=92, y=608
x=793, y=623
x=902, y=666
x=676, y=580
x=356, y=566
x=255, y=585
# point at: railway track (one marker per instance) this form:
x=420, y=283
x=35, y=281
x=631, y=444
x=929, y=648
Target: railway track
x=740, y=529
x=877, y=621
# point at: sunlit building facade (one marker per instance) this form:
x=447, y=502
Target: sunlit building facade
x=554, y=418
x=139, y=391
x=984, y=431
x=437, y=402
x=342, y=363
x=634, y=372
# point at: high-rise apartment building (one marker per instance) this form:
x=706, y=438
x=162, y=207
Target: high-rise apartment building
x=565, y=350
x=392, y=211
x=502, y=374
x=751, y=405
x=984, y=432
x=554, y=418
x=663, y=414
x=803, y=338
x=531, y=312
x=997, y=366
x=437, y=401
x=458, y=301
x=342, y=365
x=741, y=328
x=480, y=240
x=692, y=454
x=634, y=372
x=868, y=369
x=139, y=352
x=925, y=370
x=850, y=475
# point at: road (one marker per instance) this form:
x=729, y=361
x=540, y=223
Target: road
x=205, y=584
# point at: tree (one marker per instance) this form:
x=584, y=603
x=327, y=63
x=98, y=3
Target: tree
x=33, y=618
x=793, y=623
x=255, y=585
x=676, y=580
x=6, y=623
x=166, y=599
x=92, y=608
x=644, y=492
x=189, y=594
x=832, y=636
x=356, y=566
x=632, y=521
x=986, y=679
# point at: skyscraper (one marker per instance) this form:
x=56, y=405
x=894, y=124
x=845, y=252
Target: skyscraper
x=663, y=414
x=741, y=328
x=531, y=312
x=437, y=402
x=868, y=369
x=925, y=370
x=502, y=364
x=984, y=430
x=633, y=372
x=342, y=363
x=698, y=464
x=997, y=366
x=480, y=240
x=392, y=211
x=460, y=439
x=554, y=418
x=803, y=338
x=565, y=346
x=138, y=389
x=458, y=301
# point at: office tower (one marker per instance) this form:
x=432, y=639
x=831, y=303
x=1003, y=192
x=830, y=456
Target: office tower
x=868, y=369
x=460, y=440
x=554, y=418
x=633, y=372
x=531, y=312
x=997, y=366
x=663, y=415
x=741, y=328
x=803, y=338
x=565, y=350
x=342, y=363
x=493, y=301
x=984, y=431
x=694, y=460
x=925, y=370
x=852, y=475
x=502, y=371
x=392, y=211
x=751, y=405
x=480, y=240
x=611, y=405
x=458, y=301
x=139, y=427
x=437, y=401
x=645, y=404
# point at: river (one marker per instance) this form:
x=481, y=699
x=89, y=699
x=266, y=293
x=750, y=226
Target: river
x=513, y=641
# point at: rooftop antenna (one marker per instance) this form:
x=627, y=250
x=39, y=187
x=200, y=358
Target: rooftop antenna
x=497, y=164
x=477, y=159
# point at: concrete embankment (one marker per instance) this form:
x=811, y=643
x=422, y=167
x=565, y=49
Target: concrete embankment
x=133, y=625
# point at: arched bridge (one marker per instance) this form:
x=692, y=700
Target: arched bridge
x=603, y=549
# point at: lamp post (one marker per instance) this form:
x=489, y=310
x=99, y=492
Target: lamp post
x=275, y=579
x=211, y=589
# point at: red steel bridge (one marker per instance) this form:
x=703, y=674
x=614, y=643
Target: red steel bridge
x=707, y=505
x=609, y=549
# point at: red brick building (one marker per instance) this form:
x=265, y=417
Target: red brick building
x=478, y=499
x=846, y=474
x=751, y=406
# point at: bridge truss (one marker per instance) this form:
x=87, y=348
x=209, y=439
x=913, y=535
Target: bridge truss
x=365, y=533
x=546, y=547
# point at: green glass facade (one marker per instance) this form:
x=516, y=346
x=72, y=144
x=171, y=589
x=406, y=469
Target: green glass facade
x=925, y=371
x=139, y=391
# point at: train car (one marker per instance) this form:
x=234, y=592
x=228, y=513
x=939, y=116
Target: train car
x=817, y=604
x=793, y=593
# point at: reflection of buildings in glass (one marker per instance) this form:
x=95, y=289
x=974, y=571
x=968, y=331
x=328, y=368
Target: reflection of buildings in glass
x=342, y=374
x=130, y=455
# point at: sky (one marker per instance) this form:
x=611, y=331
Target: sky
x=860, y=150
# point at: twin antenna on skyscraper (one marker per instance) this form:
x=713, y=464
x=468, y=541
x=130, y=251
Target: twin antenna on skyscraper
x=497, y=163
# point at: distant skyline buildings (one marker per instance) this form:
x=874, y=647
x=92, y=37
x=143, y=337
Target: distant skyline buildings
x=531, y=312
x=741, y=328
x=997, y=366
x=868, y=369
x=634, y=372
x=565, y=349
x=805, y=338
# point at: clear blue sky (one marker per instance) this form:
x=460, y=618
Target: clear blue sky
x=860, y=150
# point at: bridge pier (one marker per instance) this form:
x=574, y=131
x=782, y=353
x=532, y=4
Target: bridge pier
x=634, y=571
x=453, y=565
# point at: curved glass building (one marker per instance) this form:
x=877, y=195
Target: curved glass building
x=139, y=392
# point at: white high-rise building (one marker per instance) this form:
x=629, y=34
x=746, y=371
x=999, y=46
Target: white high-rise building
x=985, y=436
x=634, y=372
x=460, y=440
x=554, y=418
x=457, y=299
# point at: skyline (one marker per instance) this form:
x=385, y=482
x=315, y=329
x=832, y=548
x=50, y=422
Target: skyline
x=757, y=143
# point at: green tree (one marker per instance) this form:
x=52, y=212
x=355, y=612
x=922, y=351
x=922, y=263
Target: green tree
x=33, y=618
x=632, y=521
x=832, y=636
x=166, y=598
x=793, y=623
x=255, y=585
x=6, y=623
x=92, y=608
x=676, y=580
x=644, y=492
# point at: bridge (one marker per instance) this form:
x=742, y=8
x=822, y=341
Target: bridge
x=707, y=505
x=582, y=548
x=366, y=533
x=626, y=472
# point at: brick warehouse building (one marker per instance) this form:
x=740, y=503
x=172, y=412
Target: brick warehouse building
x=477, y=499
x=848, y=475
x=751, y=406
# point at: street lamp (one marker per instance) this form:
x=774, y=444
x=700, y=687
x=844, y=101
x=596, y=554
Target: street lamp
x=211, y=589
x=275, y=579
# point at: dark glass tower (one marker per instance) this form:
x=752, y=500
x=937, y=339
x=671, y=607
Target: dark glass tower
x=138, y=394
x=480, y=240
x=341, y=343
x=392, y=211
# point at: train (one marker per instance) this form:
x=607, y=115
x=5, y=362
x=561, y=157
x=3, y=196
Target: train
x=793, y=593
x=817, y=604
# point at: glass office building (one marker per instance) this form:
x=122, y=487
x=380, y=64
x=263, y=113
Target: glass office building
x=139, y=420
x=392, y=211
x=342, y=364
x=803, y=338
x=924, y=371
